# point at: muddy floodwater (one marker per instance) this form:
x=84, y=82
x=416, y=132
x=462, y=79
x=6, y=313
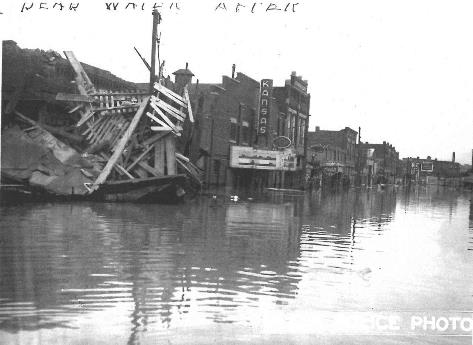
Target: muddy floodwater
x=355, y=267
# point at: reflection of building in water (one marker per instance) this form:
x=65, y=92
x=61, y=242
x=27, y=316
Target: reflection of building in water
x=338, y=212
x=158, y=261
x=47, y=258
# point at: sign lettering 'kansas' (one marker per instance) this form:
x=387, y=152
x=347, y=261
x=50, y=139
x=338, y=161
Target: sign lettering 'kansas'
x=264, y=105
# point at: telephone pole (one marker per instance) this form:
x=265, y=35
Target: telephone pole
x=155, y=39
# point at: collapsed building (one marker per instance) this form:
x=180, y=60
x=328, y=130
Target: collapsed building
x=76, y=131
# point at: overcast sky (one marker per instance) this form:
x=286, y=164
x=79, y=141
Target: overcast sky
x=401, y=70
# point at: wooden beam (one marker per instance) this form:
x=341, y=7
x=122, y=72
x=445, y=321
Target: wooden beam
x=162, y=123
x=121, y=145
x=75, y=109
x=169, y=109
x=161, y=129
x=140, y=157
x=164, y=117
x=170, y=94
x=159, y=154
x=189, y=106
x=73, y=97
x=170, y=155
x=83, y=80
x=149, y=169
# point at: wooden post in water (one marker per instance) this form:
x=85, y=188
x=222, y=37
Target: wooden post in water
x=171, y=154
x=159, y=155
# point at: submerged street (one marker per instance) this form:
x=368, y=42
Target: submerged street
x=267, y=269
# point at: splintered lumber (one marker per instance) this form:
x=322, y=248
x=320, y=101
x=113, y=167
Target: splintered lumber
x=82, y=79
x=121, y=145
x=164, y=117
x=189, y=107
x=179, y=115
x=120, y=169
x=170, y=155
x=170, y=94
x=165, y=127
x=140, y=157
x=84, y=85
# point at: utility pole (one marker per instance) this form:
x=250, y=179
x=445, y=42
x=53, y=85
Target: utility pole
x=155, y=39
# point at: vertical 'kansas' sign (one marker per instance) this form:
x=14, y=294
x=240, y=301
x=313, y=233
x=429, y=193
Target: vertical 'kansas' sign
x=264, y=105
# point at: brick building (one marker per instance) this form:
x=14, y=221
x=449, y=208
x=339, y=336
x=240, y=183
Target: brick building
x=292, y=121
x=227, y=116
x=385, y=158
x=224, y=116
x=333, y=153
x=421, y=169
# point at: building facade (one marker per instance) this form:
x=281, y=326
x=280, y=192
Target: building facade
x=429, y=170
x=332, y=155
x=385, y=162
x=240, y=114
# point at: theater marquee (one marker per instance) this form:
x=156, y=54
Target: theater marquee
x=249, y=158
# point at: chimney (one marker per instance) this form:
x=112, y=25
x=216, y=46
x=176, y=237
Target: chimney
x=317, y=128
x=233, y=71
x=453, y=157
x=182, y=77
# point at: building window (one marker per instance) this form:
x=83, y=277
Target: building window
x=245, y=132
x=289, y=122
x=281, y=124
x=293, y=127
x=233, y=130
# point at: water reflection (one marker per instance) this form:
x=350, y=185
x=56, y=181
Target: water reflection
x=146, y=270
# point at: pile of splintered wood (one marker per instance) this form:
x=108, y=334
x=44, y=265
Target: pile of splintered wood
x=134, y=133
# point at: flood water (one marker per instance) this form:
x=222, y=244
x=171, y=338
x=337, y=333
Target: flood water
x=276, y=269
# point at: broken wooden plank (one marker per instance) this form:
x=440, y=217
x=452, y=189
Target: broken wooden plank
x=162, y=123
x=179, y=115
x=121, y=145
x=189, y=106
x=182, y=157
x=140, y=157
x=73, y=97
x=122, y=130
x=86, y=116
x=170, y=94
x=164, y=117
x=82, y=79
x=161, y=129
x=75, y=109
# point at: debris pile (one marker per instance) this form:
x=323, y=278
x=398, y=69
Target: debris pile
x=103, y=144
